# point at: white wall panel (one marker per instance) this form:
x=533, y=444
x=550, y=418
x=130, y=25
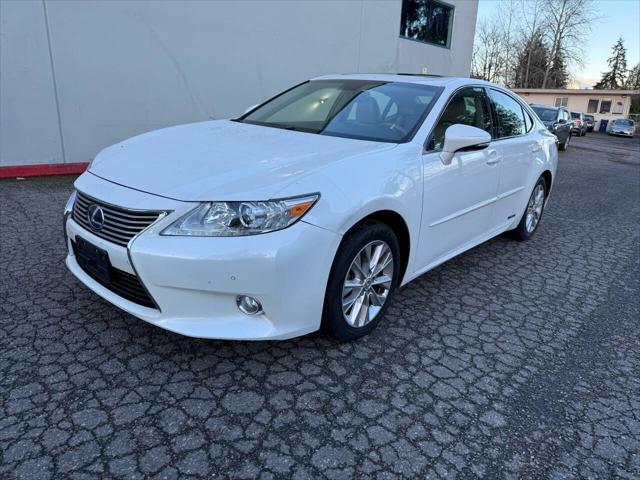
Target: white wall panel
x=123, y=68
x=29, y=131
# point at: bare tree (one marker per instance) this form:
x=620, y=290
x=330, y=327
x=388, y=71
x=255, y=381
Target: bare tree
x=568, y=23
x=487, y=54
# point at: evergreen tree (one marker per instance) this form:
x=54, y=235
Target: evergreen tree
x=616, y=77
x=633, y=83
x=558, y=76
x=633, y=78
x=531, y=63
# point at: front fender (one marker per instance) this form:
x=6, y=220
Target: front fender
x=358, y=187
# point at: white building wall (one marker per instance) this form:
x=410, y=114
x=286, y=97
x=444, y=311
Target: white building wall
x=78, y=76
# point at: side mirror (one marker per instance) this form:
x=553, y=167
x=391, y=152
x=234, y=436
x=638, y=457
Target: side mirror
x=460, y=137
x=562, y=121
x=250, y=108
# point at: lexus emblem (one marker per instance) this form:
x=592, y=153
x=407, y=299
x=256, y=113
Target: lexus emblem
x=95, y=215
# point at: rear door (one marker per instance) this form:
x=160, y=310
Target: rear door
x=518, y=150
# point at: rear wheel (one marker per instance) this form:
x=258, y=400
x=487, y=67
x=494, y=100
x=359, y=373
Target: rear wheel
x=563, y=146
x=364, y=276
x=533, y=213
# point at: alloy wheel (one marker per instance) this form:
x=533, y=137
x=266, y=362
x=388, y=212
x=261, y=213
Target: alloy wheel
x=367, y=283
x=534, y=208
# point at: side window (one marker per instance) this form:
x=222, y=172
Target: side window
x=468, y=107
x=509, y=114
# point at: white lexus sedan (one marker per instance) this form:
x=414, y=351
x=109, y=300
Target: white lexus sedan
x=310, y=209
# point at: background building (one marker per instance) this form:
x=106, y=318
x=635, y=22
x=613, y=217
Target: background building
x=602, y=104
x=78, y=76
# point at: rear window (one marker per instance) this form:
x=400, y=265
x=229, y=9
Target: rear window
x=546, y=114
x=575, y=115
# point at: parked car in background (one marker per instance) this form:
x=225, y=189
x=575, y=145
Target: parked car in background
x=590, y=121
x=310, y=209
x=557, y=121
x=579, y=127
x=622, y=126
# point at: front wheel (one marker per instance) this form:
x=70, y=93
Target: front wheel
x=364, y=276
x=533, y=214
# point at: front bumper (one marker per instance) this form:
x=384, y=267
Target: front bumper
x=195, y=280
x=621, y=132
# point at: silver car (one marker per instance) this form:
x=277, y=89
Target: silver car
x=622, y=126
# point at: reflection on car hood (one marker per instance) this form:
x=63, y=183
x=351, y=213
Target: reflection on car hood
x=222, y=160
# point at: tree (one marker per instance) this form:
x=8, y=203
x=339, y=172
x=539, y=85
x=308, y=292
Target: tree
x=495, y=46
x=568, y=23
x=532, y=43
x=487, y=54
x=633, y=78
x=616, y=77
x=558, y=76
x=533, y=16
x=531, y=63
x=633, y=83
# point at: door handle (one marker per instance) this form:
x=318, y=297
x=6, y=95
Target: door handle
x=493, y=157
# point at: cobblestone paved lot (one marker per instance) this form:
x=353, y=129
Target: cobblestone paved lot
x=515, y=360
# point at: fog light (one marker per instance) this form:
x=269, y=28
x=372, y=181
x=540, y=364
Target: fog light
x=248, y=305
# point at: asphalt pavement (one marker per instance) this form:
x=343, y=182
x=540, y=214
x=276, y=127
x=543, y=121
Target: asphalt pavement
x=514, y=360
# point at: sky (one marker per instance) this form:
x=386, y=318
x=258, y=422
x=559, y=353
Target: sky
x=620, y=18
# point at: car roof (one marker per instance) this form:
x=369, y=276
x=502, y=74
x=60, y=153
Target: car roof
x=435, y=80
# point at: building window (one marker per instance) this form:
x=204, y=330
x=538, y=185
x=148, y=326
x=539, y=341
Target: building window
x=562, y=101
x=593, y=105
x=605, y=106
x=427, y=21
x=617, y=108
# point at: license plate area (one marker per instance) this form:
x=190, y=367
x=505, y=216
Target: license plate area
x=93, y=260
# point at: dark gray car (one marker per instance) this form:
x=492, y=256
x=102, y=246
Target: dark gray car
x=558, y=121
x=590, y=121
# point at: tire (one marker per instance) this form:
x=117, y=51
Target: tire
x=564, y=145
x=524, y=231
x=349, y=324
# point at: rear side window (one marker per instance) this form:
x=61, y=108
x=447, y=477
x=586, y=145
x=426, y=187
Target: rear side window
x=468, y=107
x=546, y=114
x=509, y=113
x=528, y=121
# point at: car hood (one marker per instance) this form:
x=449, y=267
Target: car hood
x=222, y=160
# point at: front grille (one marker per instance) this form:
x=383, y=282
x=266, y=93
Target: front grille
x=121, y=283
x=120, y=224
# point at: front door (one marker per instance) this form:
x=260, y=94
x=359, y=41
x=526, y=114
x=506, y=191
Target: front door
x=458, y=198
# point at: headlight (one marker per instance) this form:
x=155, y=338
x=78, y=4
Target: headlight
x=231, y=219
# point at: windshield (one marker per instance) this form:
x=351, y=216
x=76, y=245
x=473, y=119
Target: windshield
x=588, y=117
x=624, y=123
x=361, y=109
x=546, y=114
